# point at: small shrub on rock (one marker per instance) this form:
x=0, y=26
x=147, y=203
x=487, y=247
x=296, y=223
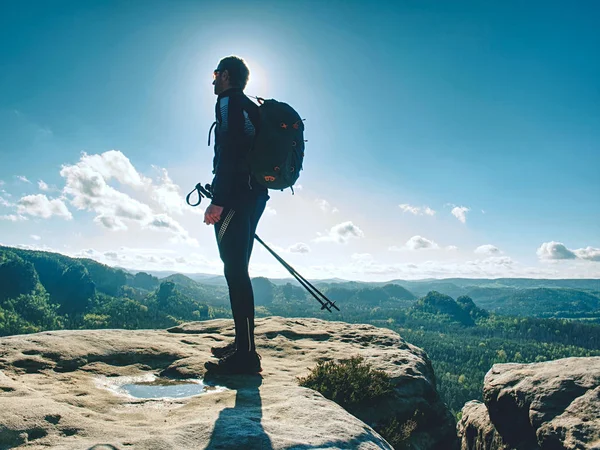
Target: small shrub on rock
x=350, y=383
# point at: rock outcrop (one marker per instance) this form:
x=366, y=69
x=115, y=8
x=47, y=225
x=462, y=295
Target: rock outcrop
x=552, y=405
x=51, y=393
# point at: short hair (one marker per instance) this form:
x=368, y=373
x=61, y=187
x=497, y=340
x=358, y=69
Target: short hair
x=238, y=70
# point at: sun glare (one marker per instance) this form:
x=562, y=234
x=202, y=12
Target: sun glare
x=258, y=85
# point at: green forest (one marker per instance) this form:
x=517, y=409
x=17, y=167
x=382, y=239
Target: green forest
x=464, y=325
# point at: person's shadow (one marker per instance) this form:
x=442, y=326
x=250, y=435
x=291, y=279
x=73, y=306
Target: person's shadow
x=240, y=426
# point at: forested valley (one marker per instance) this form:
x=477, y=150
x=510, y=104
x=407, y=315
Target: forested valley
x=465, y=325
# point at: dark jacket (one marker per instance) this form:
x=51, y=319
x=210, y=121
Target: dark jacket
x=237, y=120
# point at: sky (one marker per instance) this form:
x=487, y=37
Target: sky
x=445, y=139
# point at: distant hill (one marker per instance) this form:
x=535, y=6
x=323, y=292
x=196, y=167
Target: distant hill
x=181, y=280
x=461, y=286
x=462, y=310
x=68, y=279
x=362, y=295
x=45, y=291
x=74, y=283
x=211, y=294
x=538, y=302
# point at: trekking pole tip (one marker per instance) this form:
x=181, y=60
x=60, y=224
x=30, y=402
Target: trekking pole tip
x=334, y=305
x=325, y=306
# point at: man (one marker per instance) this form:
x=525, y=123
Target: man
x=237, y=205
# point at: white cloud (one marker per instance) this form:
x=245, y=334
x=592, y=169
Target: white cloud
x=110, y=222
x=299, y=247
x=163, y=222
x=341, y=233
x=43, y=186
x=298, y=187
x=270, y=211
x=4, y=202
x=488, y=249
x=23, y=179
x=88, y=189
x=41, y=206
x=14, y=218
x=2, y=183
x=554, y=251
x=167, y=194
x=147, y=259
x=589, y=253
x=417, y=210
x=35, y=237
x=417, y=243
x=408, y=208
x=325, y=206
x=452, y=248
x=114, y=164
x=363, y=266
x=96, y=195
x=460, y=212
x=112, y=255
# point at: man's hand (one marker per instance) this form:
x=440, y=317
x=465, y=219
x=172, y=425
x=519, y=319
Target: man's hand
x=212, y=214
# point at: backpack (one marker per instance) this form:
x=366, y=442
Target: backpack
x=278, y=152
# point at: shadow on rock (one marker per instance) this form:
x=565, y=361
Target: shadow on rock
x=240, y=426
x=344, y=444
x=103, y=447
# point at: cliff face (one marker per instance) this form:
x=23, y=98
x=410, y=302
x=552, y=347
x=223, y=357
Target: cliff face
x=552, y=405
x=52, y=390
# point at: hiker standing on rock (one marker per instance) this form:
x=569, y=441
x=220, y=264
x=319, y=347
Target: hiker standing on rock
x=237, y=204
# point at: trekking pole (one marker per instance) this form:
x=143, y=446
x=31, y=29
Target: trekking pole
x=297, y=276
x=325, y=303
x=204, y=191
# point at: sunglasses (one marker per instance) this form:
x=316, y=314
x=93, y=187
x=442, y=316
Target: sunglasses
x=217, y=72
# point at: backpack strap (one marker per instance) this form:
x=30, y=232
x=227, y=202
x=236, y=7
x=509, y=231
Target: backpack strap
x=210, y=131
x=260, y=100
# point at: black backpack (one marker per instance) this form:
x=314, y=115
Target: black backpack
x=278, y=152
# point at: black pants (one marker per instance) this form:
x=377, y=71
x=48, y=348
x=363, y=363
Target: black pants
x=235, y=238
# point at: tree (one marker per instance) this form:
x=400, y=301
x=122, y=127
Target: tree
x=143, y=280
x=76, y=290
x=166, y=289
x=17, y=277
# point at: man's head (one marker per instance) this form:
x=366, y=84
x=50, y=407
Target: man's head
x=232, y=72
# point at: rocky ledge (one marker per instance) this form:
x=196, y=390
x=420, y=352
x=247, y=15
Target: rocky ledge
x=552, y=405
x=53, y=390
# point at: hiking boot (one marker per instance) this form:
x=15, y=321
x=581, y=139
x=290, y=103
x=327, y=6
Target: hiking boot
x=236, y=363
x=224, y=350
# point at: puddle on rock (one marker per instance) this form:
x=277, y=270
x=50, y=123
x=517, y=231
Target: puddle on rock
x=150, y=386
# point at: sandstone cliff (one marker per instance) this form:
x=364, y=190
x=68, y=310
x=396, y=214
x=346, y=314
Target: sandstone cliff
x=53, y=390
x=552, y=405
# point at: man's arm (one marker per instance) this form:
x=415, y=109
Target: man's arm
x=233, y=147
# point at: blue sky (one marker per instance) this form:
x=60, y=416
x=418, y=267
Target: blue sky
x=444, y=138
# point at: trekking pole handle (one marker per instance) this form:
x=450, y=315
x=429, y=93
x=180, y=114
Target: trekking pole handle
x=202, y=192
x=206, y=190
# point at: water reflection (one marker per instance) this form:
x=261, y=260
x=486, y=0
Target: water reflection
x=149, y=386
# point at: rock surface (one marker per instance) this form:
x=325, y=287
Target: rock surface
x=551, y=405
x=52, y=394
x=476, y=430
